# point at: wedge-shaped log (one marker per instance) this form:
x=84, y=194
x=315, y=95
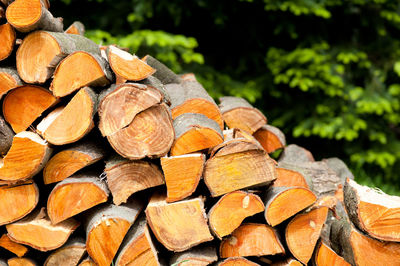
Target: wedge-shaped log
x=237, y=261
x=295, y=154
x=251, y=240
x=68, y=255
x=179, y=225
x=96, y=69
x=7, y=136
x=271, y=138
x=182, y=174
x=23, y=105
x=76, y=28
x=138, y=247
x=372, y=211
x=21, y=262
x=41, y=52
x=191, y=97
x=238, y=113
x=36, y=231
x=282, y=203
x=289, y=178
x=70, y=123
x=29, y=15
x=325, y=256
x=126, y=177
x=195, y=132
x=27, y=156
x=9, y=79
x=229, y=212
x=303, y=232
x=75, y=195
x=199, y=256
x=70, y=160
x=17, y=249
x=7, y=40
x=106, y=227
x=163, y=73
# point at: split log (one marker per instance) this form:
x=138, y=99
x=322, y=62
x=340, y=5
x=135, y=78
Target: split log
x=289, y=178
x=295, y=154
x=7, y=40
x=68, y=255
x=75, y=195
x=373, y=211
x=76, y=28
x=17, y=202
x=191, y=97
x=238, y=113
x=163, y=73
x=230, y=211
x=29, y=15
x=195, y=132
x=197, y=256
x=179, y=225
x=282, y=203
x=106, y=227
x=72, y=159
x=87, y=262
x=237, y=262
x=340, y=168
x=325, y=256
x=125, y=177
x=36, y=231
x=17, y=249
x=182, y=174
x=41, y=52
x=9, y=79
x=271, y=138
x=72, y=122
x=251, y=240
x=6, y=135
x=21, y=262
x=35, y=151
x=303, y=232
x=287, y=262
x=23, y=105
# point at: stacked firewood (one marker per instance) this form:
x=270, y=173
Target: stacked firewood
x=112, y=159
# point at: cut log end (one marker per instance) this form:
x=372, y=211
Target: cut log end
x=271, y=138
x=7, y=40
x=237, y=262
x=325, y=256
x=76, y=28
x=198, y=256
x=289, y=178
x=21, y=262
x=17, y=249
x=9, y=79
x=69, y=255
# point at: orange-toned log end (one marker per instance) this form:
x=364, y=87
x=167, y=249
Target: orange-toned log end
x=75, y=195
x=128, y=66
x=229, y=212
x=25, y=104
x=284, y=202
x=17, y=249
x=67, y=162
x=373, y=212
x=289, y=178
x=76, y=28
x=198, y=256
x=251, y=240
x=179, y=225
x=182, y=174
x=24, y=13
x=68, y=74
x=271, y=138
x=87, y=262
x=9, y=79
x=287, y=262
x=37, y=231
x=68, y=255
x=126, y=177
x=195, y=132
x=27, y=156
x=303, y=232
x=70, y=123
x=237, y=262
x=7, y=40
x=21, y=262
x=325, y=256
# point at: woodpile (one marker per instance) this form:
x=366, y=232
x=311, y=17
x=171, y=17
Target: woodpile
x=112, y=159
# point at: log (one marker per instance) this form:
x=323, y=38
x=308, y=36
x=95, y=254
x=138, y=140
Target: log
x=70, y=123
x=156, y=83
x=191, y=97
x=195, y=132
x=182, y=174
x=163, y=73
x=17, y=201
x=17, y=168
x=373, y=211
x=271, y=138
x=138, y=247
x=128, y=66
x=9, y=79
x=179, y=225
x=76, y=28
x=230, y=211
x=6, y=135
x=294, y=154
x=75, y=195
x=87, y=261
x=24, y=104
x=17, y=249
x=251, y=240
x=303, y=232
x=29, y=15
x=287, y=262
x=36, y=231
x=289, y=178
x=325, y=256
x=21, y=262
x=72, y=159
x=281, y=203
x=106, y=227
x=199, y=256
x=238, y=261
x=68, y=255
x=96, y=69
x=41, y=52
x=188, y=77
x=7, y=40
x=125, y=177
x=340, y=168
x=238, y=113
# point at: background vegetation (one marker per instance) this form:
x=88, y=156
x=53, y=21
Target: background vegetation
x=327, y=72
